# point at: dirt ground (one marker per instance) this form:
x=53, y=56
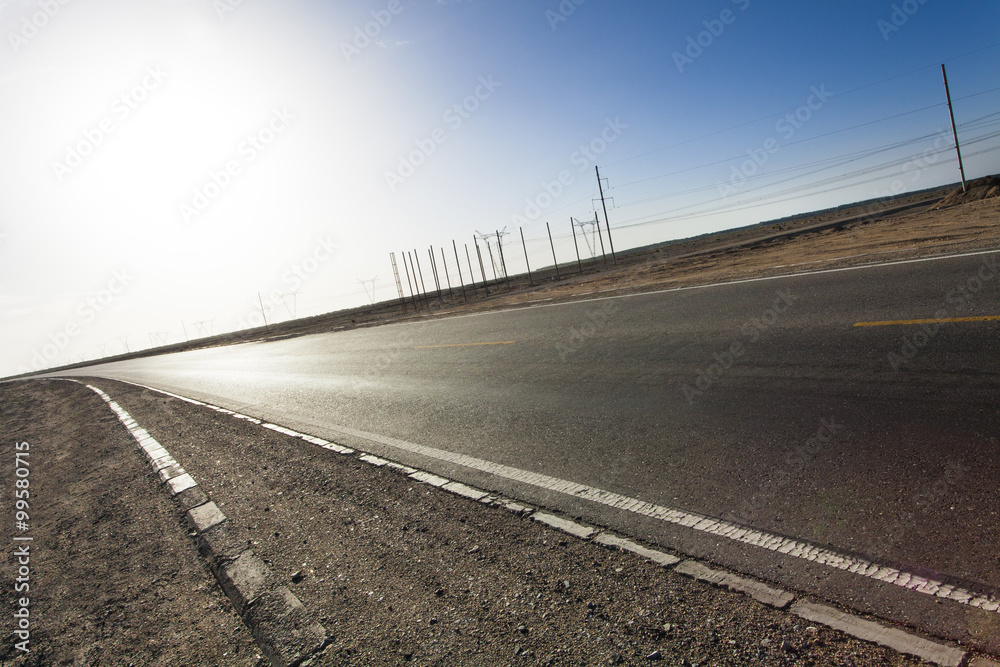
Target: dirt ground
x=114, y=578
x=397, y=571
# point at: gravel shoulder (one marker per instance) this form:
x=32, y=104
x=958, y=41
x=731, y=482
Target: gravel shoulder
x=114, y=578
x=397, y=571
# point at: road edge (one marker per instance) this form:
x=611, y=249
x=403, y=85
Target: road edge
x=859, y=627
x=282, y=628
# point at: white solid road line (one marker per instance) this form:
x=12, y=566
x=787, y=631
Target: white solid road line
x=905, y=642
x=697, y=522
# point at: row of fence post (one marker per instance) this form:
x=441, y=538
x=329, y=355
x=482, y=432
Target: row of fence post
x=418, y=293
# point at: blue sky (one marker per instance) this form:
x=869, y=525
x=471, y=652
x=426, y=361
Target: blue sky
x=166, y=161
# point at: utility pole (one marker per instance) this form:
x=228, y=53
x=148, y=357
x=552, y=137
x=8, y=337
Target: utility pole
x=413, y=293
x=399, y=284
x=553, y=246
x=284, y=302
x=499, y=236
x=606, y=221
x=579, y=264
x=458, y=263
x=416, y=283
x=124, y=340
x=503, y=264
x=954, y=128
x=493, y=262
x=526, y=262
x=447, y=276
x=437, y=279
x=262, y=313
x=472, y=274
x=365, y=283
x=482, y=268
x=423, y=286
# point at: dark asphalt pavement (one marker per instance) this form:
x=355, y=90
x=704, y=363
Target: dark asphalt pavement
x=759, y=402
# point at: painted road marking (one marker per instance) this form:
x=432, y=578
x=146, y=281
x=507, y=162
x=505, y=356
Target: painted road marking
x=698, y=522
x=945, y=320
x=205, y=516
x=431, y=347
x=898, y=640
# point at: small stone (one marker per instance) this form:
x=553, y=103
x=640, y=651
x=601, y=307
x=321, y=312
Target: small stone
x=765, y=642
x=565, y=583
x=787, y=647
x=297, y=577
x=522, y=629
x=655, y=655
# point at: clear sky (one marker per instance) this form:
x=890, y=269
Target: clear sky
x=164, y=161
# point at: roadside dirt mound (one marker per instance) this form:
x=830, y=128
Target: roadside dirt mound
x=981, y=188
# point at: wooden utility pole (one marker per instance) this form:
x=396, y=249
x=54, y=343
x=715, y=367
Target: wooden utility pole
x=954, y=128
x=576, y=245
x=399, y=284
x=526, y=262
x=606, y=221
x=553, y=246
x=459, y=264
x=262, y=313
x=503, y=264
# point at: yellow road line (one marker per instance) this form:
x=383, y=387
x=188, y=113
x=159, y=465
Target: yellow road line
x=947, y=320
x=430, y=347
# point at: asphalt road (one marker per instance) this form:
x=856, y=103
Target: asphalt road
x=758, y=402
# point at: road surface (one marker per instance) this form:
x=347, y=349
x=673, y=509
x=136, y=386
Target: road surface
x=854, y=410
